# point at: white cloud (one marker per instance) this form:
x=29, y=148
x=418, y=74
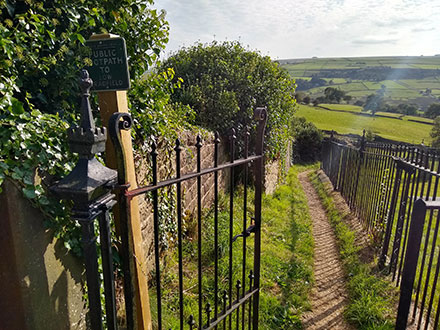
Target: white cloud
x=286, y=28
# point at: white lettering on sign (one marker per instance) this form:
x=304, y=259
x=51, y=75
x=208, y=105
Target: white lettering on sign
x=109, y=83
x=109, y=64
x=107, y=61
x=103, y=58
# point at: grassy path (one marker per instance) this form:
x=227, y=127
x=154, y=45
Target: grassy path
x=329, y=296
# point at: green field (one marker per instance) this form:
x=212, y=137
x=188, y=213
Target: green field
x=387, y=71
x=345, y=122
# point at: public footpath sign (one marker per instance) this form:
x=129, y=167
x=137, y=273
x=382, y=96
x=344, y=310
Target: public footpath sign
x=109, y=70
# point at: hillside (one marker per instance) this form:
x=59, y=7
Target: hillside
x=405, y=79
x=352, y=121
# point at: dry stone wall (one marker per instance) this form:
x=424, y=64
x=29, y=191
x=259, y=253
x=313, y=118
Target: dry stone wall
x=167, y=169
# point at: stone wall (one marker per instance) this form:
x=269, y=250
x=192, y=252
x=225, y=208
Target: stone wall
x=166, y=169
x=271, y=176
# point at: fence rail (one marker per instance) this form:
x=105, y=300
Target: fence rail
x=393, y=190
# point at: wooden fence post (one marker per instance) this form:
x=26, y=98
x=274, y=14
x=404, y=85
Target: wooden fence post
x=109, y=103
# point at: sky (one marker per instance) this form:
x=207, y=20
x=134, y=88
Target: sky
x=285, y=29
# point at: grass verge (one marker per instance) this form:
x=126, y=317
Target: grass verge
x=286, y=258
x=372, y=299
x=287, y=255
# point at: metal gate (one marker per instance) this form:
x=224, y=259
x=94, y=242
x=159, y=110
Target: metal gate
x=239, y=302
x=89, y=186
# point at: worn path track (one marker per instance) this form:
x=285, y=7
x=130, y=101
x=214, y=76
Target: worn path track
x=329, y=295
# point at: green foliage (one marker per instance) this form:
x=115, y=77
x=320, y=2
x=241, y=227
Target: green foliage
x=334, y=95
x=152, y=110
x=435, y=133
x=286, y=258
x=33, y=151
x=42, y=50
x=307, y=140
x=372, y=298
x=433, y=110
x=374, y=102
x=224, y=82
x=42, y=46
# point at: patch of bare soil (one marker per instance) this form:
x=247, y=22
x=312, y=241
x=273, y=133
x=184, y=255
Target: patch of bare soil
x=329, y=296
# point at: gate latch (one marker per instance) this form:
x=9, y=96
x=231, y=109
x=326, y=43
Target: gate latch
x=247, y=232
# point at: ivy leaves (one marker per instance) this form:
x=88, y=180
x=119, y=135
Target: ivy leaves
x=33, y=151
x=41, y=52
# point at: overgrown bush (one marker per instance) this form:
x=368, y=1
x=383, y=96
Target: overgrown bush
x=42, y=50
x=224, y=82
x=307, y=140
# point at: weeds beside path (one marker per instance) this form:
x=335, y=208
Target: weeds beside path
x=329, y=296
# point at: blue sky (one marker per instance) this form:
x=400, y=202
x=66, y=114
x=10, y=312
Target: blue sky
x=306, y=28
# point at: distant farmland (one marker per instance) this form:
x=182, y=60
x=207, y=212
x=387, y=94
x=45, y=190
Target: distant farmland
x=347, y=120
x=407, y=79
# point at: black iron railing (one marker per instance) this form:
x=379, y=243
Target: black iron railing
x=387, y=186
x=240, y=291
x=89, y=186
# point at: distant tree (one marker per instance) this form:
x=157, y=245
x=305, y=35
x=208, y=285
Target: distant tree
x=347, y=98
x=433, y=110
x=306, y=99
x=333, y=94
x=390, y=108
x=407, y=109
x=307, y=140
x=318, y=100
x=359, y=103
x=435, y=133
x=374, y=102
x=299, y=96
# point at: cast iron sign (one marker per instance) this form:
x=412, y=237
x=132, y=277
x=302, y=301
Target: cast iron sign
x=109, y=70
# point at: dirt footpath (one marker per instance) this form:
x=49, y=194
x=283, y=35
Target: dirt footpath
x=329, y=295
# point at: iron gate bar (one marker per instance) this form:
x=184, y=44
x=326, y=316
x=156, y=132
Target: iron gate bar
x=242, y=296
x=400, y=222
x=245, y=178
x=142, y=190
x=425, y=290
x=232, y=138
x=232, y=308
x=428, y=231
x=178, y=150
x=414, y=192
x=409, y=270
x=199, y=228
x=107, y=263
x=261, y=116
x=216, y=144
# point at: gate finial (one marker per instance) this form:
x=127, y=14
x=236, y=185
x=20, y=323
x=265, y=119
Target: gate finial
x=89, y=178
x=85, y=84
